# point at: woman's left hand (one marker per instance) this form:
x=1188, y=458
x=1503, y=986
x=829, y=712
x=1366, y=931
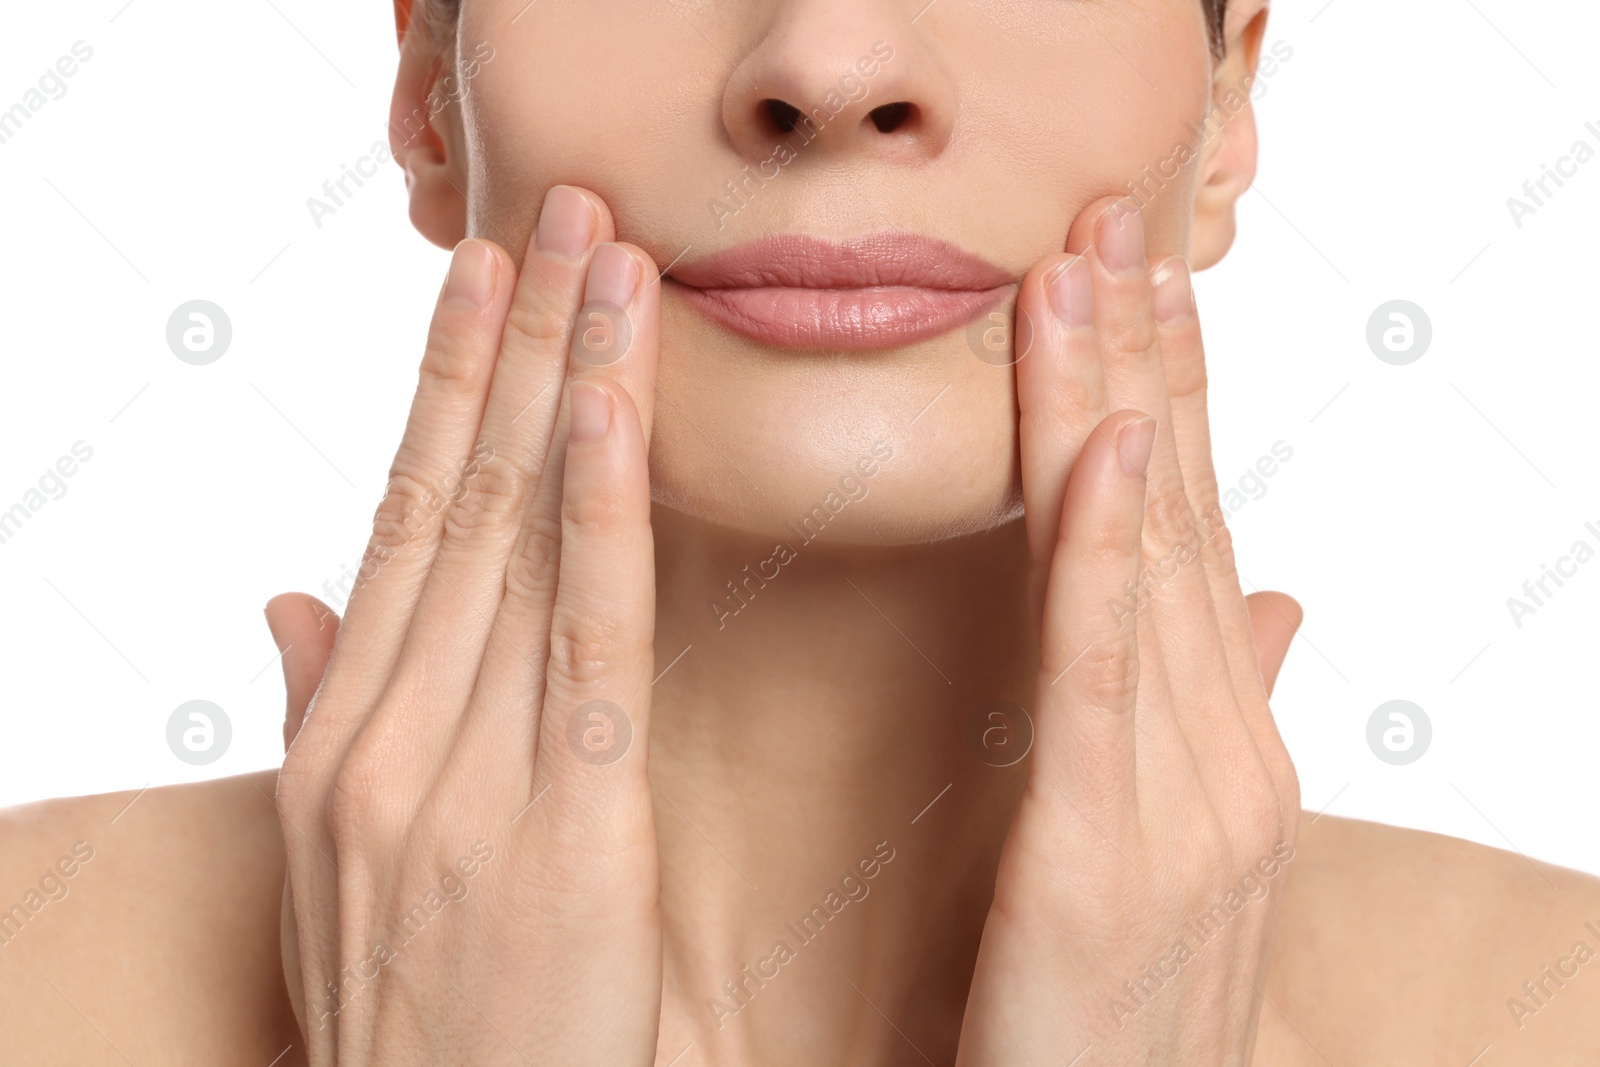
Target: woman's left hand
x=1137, y=889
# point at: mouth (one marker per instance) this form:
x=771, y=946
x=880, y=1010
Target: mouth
x=881, y=290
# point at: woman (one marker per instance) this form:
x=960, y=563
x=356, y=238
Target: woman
x=920, y=614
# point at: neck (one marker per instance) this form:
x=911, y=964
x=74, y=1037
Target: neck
x=826, y=814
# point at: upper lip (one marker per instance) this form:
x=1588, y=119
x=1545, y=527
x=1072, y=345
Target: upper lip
x=870, y=261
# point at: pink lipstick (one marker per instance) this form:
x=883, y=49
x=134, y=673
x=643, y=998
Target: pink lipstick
x=877, y=291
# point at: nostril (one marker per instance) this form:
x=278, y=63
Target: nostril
x=784, y=116
x=890, y=117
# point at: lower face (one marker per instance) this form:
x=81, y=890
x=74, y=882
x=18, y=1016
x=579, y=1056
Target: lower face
x=1022, y=112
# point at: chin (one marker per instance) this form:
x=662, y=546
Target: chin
x=842, y=449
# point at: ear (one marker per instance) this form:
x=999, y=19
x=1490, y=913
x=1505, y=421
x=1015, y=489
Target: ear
x=1228, y=159
x=424, y=130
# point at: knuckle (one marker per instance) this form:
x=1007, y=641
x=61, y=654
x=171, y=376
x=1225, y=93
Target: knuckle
x=1107, y=547
x=1168, y=516
x=1176, y=554
x=597, y=510
x=1106, y=675
x=1186, y=373
x=1223, y=551
x=402, y=513
x=1077, y=400
x=1132, y=334
x=450, y=366
x=488, y=501
x=356, y=804
x=537, y=561
x=539, y=320
x=586, y=647
x=1107, y=550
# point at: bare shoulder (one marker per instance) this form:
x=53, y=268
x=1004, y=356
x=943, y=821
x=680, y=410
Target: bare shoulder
x=1402, y=947
x=143, y=928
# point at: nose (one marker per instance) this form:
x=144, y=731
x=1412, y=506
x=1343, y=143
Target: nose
x=839, y=78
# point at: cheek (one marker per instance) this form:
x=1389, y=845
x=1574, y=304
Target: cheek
x=600, y=94
x=1100, y=104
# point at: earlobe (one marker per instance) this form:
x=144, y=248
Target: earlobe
x=438, y=209
x=420, y=135
x=1228, y=161
x=1225, y=177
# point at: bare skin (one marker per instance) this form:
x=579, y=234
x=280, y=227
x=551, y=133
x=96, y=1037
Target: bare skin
x=814, y=734
x=1394, y=947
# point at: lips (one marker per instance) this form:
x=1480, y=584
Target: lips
x=879, y=291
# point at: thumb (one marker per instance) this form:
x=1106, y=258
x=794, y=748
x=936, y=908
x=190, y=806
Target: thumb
x=303, y=628
x=1274, y=618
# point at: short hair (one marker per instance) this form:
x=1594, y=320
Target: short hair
x=1216, y=19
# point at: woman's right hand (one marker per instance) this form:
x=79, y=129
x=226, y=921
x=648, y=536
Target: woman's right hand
x=472, y=866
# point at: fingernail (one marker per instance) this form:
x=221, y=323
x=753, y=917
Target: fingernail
x=1120, y=238
x=1174, y=291
x=471, y=278
x=566, y=223
x=589, y=412
x=1134, y=442
x=1071, y=292
x=613, y=276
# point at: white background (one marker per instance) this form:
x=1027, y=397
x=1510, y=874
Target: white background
x=1418, y=499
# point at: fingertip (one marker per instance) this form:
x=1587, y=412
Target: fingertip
x=570, y=222
x=470, y=283
x=649, y=271
x=277, y=625
x=1290, y=607
x=289, y=615
x=1274, y=620
x=605, y=224
x=1136, y=438
x=1082, y=233
x=1274, y=604
x=304, y=629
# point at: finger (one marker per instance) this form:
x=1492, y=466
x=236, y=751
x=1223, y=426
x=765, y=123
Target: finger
x=1274, y=620
x=520, y=419
x=303, y=628
x=594, y=731
x=445, y=646
x=1173, y=586
x=1061, y=397
x=446, y=413
x=1089, y=656
x=616, y=338
x=463, y=340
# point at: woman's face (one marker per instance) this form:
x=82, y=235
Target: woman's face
x=1011, y=117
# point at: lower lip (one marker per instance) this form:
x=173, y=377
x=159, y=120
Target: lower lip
x=869, y=318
